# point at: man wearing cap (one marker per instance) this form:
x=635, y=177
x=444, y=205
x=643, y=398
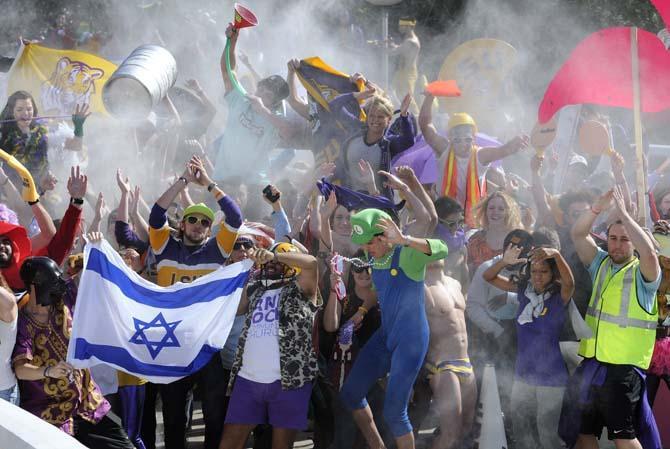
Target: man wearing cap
x=461, y=164
x=399, y=347
x=184, y=259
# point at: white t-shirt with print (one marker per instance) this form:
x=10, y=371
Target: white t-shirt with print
x=260, y=361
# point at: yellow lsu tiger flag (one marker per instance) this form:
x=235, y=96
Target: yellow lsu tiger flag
x=60, y=79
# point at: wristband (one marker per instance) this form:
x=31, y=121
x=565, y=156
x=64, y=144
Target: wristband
x=44, y=374
x=77, y=201
x=181, y=178
x=211, y=186
x=363, y=309
x=32, y=203
x=78, y=128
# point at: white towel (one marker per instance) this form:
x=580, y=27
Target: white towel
x=535, y=306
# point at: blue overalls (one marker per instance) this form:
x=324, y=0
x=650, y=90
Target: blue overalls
x=398, y=347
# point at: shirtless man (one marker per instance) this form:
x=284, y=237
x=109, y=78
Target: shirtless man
x=447, y=368
x=407, y=55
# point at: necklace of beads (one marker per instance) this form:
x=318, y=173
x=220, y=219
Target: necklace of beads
x=355, y=261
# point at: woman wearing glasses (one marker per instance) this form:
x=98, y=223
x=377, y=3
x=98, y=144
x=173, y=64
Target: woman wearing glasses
x=354, y=319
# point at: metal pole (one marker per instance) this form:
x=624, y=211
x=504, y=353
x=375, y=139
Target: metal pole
x=641, y=178
x=385, y=56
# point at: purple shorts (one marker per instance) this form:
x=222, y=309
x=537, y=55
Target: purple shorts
x=257, y=403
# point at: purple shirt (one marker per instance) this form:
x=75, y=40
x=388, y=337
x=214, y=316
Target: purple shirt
x=56, y=401
x=538, y=359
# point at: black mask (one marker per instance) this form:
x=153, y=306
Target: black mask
x=47, y=278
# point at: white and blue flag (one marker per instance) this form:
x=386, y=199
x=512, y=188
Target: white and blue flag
x=158, y=333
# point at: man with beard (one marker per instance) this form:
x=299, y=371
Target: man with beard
x=184, y=259
x=275, y=364
x=622, y=315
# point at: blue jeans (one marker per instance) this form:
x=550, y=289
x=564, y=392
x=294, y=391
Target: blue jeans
x=11, y=395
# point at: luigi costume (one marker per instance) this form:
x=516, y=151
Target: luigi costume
x=399, y=346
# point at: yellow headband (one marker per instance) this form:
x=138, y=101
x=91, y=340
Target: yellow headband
x=406, y=22
x=459, y=119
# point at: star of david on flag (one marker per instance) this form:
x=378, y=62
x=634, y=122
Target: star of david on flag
x=169, y=339
x=158, y=333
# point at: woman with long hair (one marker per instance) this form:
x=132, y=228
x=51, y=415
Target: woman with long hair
x=353, y=319
x=24, y=137
x=496, y=216
x=544, y=289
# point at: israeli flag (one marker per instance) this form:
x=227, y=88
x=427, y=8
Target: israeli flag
x=158, y=333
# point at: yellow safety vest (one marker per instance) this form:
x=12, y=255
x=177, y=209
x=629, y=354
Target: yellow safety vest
x=623, y=332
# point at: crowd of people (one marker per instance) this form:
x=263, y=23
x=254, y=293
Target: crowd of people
x=375, y=297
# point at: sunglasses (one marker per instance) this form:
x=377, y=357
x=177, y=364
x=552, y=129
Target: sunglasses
x=360, y=270
x=462, y=139
x=453, y=223
x=245, y=245
x=205, y=222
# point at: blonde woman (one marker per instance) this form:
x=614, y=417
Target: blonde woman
x=496, y=217
x=370, y=140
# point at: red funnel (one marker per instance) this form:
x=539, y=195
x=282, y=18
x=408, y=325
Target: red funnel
x=243, y=17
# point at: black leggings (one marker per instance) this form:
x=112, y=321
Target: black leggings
x=107, y=434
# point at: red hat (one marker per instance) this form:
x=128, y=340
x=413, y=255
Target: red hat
x=21, y=248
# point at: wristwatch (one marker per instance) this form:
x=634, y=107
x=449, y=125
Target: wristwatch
x=211, y=186
x=77, y=201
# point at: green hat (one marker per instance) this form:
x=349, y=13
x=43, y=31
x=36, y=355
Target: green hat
x=199, y=208
x=363, y=225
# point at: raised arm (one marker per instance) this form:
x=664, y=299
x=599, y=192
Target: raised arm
x=325, y=212
x=175, y=189
x=140, y=224
x=438, y=143
x=308, y=278
x=649, y=266
x=99, y=212
x=544, y=215
x=407, y=175
x=231, y=34
x=617, y=162
x=210, y=108
x=490, y=154
x=61, y=244
x=280, y=223
x=286, y=128
x=567, y=279
x=581, y=231
x=406, y=137
x=422, y=219
x=300, y=106
x=492, y=274
x=333, y=310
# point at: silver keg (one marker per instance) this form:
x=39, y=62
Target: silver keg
x=140, y=82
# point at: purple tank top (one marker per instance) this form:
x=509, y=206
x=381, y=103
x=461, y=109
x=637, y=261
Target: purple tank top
x=538, y=359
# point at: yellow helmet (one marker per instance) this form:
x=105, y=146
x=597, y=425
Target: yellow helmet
x=461, y=118
x=284, y=247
